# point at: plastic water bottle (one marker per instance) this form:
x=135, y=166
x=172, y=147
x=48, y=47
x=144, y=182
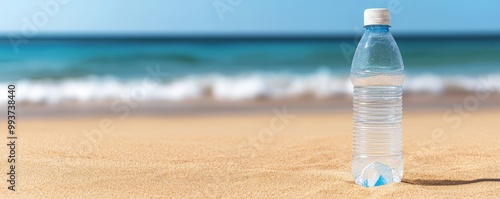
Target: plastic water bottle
x=377, y=73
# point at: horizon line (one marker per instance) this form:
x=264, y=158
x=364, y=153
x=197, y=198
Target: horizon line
x=109, y=36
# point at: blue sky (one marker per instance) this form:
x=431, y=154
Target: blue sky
x=243, y=16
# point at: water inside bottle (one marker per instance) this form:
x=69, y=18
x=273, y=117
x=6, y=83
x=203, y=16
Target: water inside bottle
x=377, y=105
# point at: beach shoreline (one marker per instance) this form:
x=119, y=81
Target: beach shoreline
x=339, y=104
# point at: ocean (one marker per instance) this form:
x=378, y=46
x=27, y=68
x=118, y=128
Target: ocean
x=51, y=71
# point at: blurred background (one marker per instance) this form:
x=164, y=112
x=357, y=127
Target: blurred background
x=80, y=57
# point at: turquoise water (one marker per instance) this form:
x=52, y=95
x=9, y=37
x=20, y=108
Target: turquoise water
x=127, y=58
x=263, y=67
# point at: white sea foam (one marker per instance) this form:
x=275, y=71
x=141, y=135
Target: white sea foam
x=322, y=84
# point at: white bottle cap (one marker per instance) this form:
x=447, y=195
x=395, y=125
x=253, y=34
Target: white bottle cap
x=377, y=16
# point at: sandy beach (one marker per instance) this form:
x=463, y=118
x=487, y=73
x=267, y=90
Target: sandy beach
x=247, y=99
x=241, y=156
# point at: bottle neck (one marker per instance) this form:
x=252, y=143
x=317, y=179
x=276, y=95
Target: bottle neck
x=377, y=28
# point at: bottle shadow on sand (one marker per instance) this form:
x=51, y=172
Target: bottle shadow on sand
x=448, y=182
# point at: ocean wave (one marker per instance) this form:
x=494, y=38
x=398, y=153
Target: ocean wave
x=255, y=86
